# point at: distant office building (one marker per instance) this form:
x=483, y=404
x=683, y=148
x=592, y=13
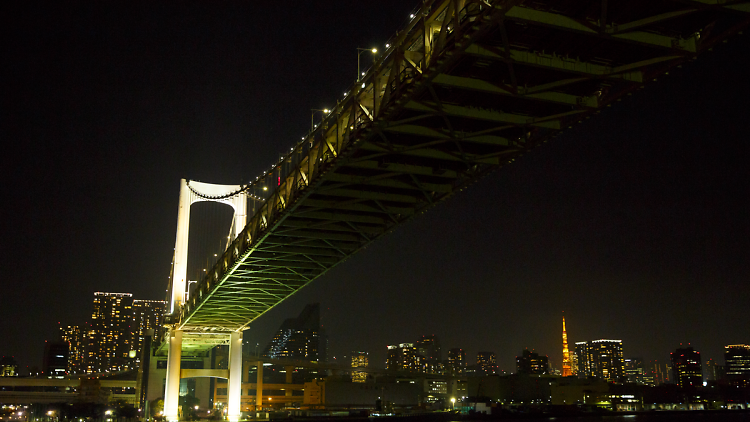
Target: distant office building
x=76, y=338
x=147, y=315
x=300, y=338
x=686, y=367
x=657, y=373
x=634, y=371
x=486, y=363
x=531, y=363
x=8, y=367
x=456, y=361
x=601, y=359
x=55, y=364
x=429, y=348
x=110, y=341
x=712, y=371
x=359, y=360
x=402, y=357
x=737, y=364
x=573, y=363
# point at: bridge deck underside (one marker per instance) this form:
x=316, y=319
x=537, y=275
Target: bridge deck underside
x=492, y=84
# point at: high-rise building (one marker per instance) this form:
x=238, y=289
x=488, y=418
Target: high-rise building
x=737, y=364
x=55, y=364
x=402, y=357
x=686, y=366
x=76, y=339
x=712, y=370
x=600, y=359
x=359, y=360
x=634, y=371
x=147, y=315
x=487, y=363
x=531, y=363
x=300, y=338
x=429, y=348
x=110, y=339
x=566, y=371
x=456, y=361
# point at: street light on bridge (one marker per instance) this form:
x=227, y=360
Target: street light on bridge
x=359, y=53
x=312, y=116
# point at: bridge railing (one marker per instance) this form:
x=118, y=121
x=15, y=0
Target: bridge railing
x=407, y=56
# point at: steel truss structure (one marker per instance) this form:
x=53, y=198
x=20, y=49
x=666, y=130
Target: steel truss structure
x=464, y=89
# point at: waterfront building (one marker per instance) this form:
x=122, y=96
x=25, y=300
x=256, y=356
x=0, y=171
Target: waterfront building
x=429, y=347
x=402, y=357
x=300, y=338
x=8, y=367
x=110, y=343
x=601, y=359
x=359, y=360
x=456, y=361
x=55, y=364
x=75, y=337
x=532, y=364
x=737, y=364
x=686, y=367
x=486, y=363
x=634, y=372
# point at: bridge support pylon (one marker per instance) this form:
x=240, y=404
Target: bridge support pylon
x=234, y=390
x=172, y=393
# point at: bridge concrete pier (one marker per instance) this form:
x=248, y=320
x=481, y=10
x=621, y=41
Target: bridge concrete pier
x=172, y=390
x=234, y=390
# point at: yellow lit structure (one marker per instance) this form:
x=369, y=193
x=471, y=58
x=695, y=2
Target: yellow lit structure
x=566, y=372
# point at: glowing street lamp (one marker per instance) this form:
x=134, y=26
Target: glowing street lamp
x=359, y=53
x=312, y=115
x=453, y=403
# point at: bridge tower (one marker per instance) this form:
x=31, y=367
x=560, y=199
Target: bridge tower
x=190, y=193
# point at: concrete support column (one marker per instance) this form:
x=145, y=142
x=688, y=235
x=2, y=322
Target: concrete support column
x=259, y=388
x=172, y=389
x=289, y=372
x=234, y=393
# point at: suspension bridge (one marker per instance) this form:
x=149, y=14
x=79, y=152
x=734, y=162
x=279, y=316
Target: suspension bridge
x=466, y=87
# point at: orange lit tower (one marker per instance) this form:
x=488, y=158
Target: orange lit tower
x=566, y=354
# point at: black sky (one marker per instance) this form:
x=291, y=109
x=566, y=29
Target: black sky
x=634, y=223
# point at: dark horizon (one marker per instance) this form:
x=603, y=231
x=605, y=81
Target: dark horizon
x=634, y=223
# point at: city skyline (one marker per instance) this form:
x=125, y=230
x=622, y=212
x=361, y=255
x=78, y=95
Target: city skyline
x=633, y=223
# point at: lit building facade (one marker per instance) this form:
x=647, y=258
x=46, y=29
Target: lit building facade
x=75, y=337
x=430, y=354
x=300, y=338
x=55, y=364
x=532, y=363
x=403, y=357
x=601, y=359
x=686, y=366
x=456, y=361
x=359, y=360
x=147, y=315
x=634, y=372
x=8, y=367
x=737, y=364
x=487, y=363
x=110, y=339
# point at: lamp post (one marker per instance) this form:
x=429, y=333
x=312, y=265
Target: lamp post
x=312, y=116
x=359, y=53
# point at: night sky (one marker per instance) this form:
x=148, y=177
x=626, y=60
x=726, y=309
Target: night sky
x=636, y=223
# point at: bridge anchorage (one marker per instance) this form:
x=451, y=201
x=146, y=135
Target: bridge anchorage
x=462, y=90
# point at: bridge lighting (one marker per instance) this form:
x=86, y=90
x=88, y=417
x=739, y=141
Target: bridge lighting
x=265, y=188
x=411, y=16
x=359, y=53
x=387, y=46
